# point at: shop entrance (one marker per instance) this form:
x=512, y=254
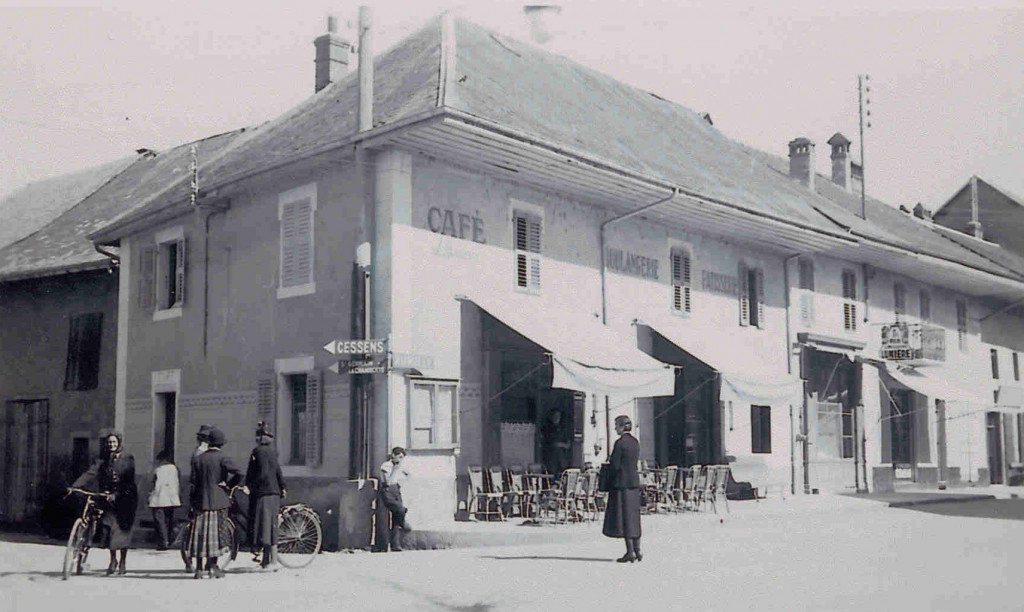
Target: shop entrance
x=994, y=433
x=901, y=429
x=833, y=392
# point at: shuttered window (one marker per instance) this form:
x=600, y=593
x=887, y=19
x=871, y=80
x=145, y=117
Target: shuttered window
x=806, y=274
x=83, y=363
x=899, y=301
x=926, y=306
x=528, y=228
x=171, y=269
x=682, y=294
x=296, y=212
x=147, y=278
x=961, y=324
x=751, y=300
x=849, y=300
x=266, y=399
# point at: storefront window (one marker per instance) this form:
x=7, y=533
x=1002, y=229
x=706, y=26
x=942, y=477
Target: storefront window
x=433, y=414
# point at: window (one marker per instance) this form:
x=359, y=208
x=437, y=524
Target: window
x=835, y=430
x=751, y=297
x=847, y=443
x=433, y=413
x=926, y=306
x=681, y=288
x=295, y=212
x=760, y=429
x=1016, y=370
x=994, y=354
x=961, y=324
x=806, y=273
x=849, y=300
x=290, y=399
x=296, y=388
x=83, y=363
x=528, y=228
x=899, y=301
x=162, y=274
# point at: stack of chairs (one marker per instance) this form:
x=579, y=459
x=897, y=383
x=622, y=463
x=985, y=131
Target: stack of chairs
x=484, y=501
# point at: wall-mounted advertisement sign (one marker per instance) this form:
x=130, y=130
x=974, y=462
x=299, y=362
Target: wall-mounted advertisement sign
x=631, y=263
x=913, y=341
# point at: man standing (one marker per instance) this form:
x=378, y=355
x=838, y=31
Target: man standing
x=266, y=488
x=392, y=473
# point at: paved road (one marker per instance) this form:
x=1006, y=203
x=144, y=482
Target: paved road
x=809, y=553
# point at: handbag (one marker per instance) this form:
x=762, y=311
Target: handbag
x=604, y=478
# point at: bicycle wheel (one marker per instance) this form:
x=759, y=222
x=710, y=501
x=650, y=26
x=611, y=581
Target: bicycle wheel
x=228, y=537
x=299, y=538
x=74, y=548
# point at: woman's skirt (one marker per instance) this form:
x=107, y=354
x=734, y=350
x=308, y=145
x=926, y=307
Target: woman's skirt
x=210, y=537
x=114, y=532
x=263, y=520
x=622, y=516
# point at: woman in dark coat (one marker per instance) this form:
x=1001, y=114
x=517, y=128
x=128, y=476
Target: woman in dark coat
x=266, y=488
x=114, y=473
x=622, y=516
x=210, y=504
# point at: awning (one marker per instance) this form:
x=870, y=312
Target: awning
x=586, y=355
x=1011, y=398
x=934, y=382
x=745, y=378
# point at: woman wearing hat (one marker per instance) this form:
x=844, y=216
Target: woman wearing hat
x=266, y=488
x=210, y=504
x=114, y=474
x=622, y=516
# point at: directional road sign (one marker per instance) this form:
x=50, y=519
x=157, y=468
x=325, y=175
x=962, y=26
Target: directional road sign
x=355, y=347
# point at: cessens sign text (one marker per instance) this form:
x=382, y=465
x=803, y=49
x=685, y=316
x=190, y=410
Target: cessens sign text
x=364, y=347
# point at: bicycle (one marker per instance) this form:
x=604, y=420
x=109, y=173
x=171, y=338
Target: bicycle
x=300, y=534
x=82, y=532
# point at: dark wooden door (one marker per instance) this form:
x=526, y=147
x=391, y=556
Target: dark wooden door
x=994, y=430
x=26, y=434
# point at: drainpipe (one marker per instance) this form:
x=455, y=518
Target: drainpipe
x=604, y=296
x=789, y=370
x=113, y=256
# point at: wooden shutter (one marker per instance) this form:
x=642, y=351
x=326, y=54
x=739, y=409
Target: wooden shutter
x=266, y=399
x=296, y=244
x=744, y=297
x=899, y=298
x=147, y=277
x=527, y=238
x=850, y=316
x=681, y=296
x=926, y=306
x=179, y=273
x=759, y=279
x=806, y=307
x=314, y=418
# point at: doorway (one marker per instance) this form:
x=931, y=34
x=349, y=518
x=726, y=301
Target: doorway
x=994, y=434
x=26, y=435
x=901, y=429
x=165, y=423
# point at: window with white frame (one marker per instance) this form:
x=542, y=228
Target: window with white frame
x=805, y=268
x=849, y=300
x=926, y=306
x=681, y=287
x=290, y=400
x=751, y=300
x=433, y=413
x=528, y=226
x=961, y=324
x=162, y=273
x=296, y=213
x=899, y=301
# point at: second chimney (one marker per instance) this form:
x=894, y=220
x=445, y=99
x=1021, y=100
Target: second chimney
x=332, y=52
x=841, y=170
x=801, y=161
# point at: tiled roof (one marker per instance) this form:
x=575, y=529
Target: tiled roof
x=62, y=243
x=33, y=206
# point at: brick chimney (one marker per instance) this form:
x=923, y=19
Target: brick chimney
x=801, y=161
x=332, y=52
x=841, y=171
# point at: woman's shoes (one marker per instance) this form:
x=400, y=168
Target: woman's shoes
x=121, y=570
x=639, y=556
x=111, y=568
x=626, y=558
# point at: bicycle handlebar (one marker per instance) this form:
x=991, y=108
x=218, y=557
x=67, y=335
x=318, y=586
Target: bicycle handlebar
x=86, y=493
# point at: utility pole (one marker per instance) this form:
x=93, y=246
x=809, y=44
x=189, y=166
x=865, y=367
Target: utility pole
x=863, y=102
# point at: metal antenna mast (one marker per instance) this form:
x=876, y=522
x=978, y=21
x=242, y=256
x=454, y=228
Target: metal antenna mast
x=863, y=103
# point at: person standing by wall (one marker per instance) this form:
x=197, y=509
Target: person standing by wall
x=266, y=487
x=210, y=504
x=555, y=438
x=114, y=474
x=164, y=498
x=392, y=473
x=622, y=516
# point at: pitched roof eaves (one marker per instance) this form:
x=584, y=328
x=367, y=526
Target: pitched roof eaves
x=50, y=271
x=607, y=166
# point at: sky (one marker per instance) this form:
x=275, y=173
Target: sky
x=86, y=82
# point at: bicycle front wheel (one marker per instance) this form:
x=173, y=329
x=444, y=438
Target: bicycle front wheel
x=299, y=538
x=225, y=534
x=73, y=551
